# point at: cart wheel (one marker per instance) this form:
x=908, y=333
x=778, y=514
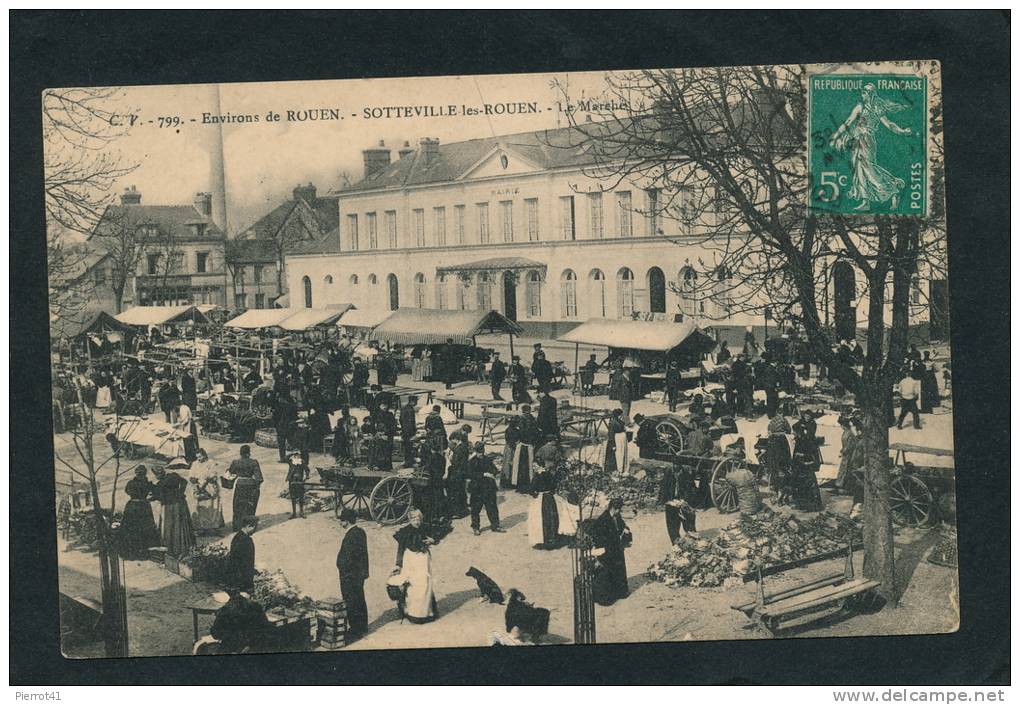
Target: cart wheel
x=910, y=501
x=354, y=498
x=724, y=495
x=671, y=436
x=391, y=500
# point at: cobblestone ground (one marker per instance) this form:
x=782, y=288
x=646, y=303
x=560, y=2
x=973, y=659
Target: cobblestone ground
x=160, y=621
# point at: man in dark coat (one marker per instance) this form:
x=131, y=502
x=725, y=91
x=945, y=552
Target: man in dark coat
x=543, y=371
x=548, y=423
x=673, y=381
x=408, y=430
x=241, y=625
x=647, y=439
x=496, y=376
x=386, y=427
x=457, y=474
x=482, y=486
x=611, y=537
x=188, y=395
x=241, y=558
x=352, y=567
x=519, y=381
x=284, y=417
x=169, y=397
x=434, y=425
x=723, y=355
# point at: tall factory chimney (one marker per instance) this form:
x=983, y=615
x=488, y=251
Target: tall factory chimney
x=217, y=172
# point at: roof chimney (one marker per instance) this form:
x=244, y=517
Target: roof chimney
x=305, y=193
x=203, y=204
x=376, y=159
x=406, y=150
x=429, y=149
x=130, y=197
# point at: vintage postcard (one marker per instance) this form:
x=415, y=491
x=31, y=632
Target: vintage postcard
x=462, y=361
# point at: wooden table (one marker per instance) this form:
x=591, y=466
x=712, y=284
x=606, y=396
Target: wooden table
x=403, y=393
x=456, y=404
x=206, y=606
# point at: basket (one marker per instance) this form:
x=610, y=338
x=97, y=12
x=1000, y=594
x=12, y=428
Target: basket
x=227, y=483
x=266, y=438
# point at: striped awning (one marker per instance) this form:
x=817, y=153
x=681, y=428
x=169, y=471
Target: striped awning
x=424, y=326
x=493, y=264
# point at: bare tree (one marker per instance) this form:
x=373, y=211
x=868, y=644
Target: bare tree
x=81, y=168
x=723, y=149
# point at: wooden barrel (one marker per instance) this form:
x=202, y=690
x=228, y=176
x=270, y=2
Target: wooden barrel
x=266, y=437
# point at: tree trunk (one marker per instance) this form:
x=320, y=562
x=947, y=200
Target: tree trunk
x=879, y=559
x=118, y=299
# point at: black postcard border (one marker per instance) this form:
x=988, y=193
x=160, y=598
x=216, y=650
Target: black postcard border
x=50, y=49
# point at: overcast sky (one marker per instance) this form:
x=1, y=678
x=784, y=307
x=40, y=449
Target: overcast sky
x=264, y=161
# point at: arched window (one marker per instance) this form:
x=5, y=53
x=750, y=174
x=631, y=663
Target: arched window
x=656, y=290
x=568, y=293
x=372, y=280
x=307, y=283
x=597, y=293
x=534, y=295
x=354, y=280
x=462, y=281
x=441, y=291
x=419, y=290
x=484, y=291
x=394, y=291
x=689, y=291
x=625, y=292
x=327, y=280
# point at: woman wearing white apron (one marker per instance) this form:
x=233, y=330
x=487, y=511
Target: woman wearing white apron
x=549, y=515
x=414, y=570
x=615, y=448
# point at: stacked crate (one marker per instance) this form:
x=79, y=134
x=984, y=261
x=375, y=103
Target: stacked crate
x=332, y=624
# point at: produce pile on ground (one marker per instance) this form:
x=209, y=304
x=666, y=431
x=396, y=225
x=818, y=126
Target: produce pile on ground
x=944, y=552
x=637, y=491
x=272, y=589
x=761, y=539
x=315, y=502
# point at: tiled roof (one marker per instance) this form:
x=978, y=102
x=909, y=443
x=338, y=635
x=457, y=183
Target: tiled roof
x=175, y=221
x=493, y=263
x=320, y=234
x=251, y=251
x=547, y=149
x=423, y=326
x=328, y=244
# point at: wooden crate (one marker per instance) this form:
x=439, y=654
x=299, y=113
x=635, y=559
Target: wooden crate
x=266, y=438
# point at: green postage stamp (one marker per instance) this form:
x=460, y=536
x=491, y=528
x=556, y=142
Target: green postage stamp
x=868, y=144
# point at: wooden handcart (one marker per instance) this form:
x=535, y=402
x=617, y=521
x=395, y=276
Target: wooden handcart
x=385, y=496
x=916, y=491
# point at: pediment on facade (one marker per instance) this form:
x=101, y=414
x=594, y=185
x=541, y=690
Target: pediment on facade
x=500, y=161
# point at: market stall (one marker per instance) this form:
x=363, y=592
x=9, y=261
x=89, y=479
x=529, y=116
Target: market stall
x=360, y=323
x=259, y=318
x=645, y=345
x=93, y=336
x=147, y=317
x=305, y=320
x=449, y=336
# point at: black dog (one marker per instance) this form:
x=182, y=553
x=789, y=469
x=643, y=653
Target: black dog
x=487, y=586
x=522, y=614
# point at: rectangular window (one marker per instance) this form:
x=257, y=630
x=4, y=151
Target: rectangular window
x=373, y=233
x=391, y=229
x=624, y=214
x=461, y=294
x=652, y=208
x=484, y=292
x=239, y=275
x=152, y=264
x=595, y=216
x=260, y=300
x=99, y=276
x=201, y=262
x=531, y=208
x=567, y=218
x=177, y=263
x=483, y=223
x=440, y=214
x=257, y=275
x=507, y=216
x=419, y=227
x=685, y=200
x=352, y=229
x=534, y=296
x=459, y=224
x=441, y=292
x=240, y=301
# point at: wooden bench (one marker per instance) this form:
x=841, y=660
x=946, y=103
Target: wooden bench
x=807, y=602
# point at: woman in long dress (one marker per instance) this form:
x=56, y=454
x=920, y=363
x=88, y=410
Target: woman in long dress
x=138, y=531
x=206, y=510
x=416, y=354
x=871, y=183
x=549, y=515
x=615, y=447
x=247, y=486
x=611, y=537
x=414, y=570
x=426, y=365
x=171, y=488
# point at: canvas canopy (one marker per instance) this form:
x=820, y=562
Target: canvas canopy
x=363, y=319
x=423, y=326
x=160, y=315
x=95, y=322
x=308, y=318
x=658, y=336
x=256, y=318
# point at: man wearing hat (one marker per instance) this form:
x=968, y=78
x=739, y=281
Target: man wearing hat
x=647, y=438
x=482, y=486
x=352, y=568
x=297, y=474
x=386, y=428
x=548, y=422
x=408, y=429
x=434, y=425
x=543, y=371
x=519, y=381
x=496, y=376
x=457, y=473
x=241, y=559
